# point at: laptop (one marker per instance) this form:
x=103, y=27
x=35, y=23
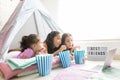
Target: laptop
x=98, y=67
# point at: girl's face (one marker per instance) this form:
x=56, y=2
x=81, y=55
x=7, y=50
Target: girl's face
x=57, y=40
x=37, y=46
x=69, y=42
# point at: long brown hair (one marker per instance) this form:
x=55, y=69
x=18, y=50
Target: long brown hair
x=64, y=37
x=49, y=41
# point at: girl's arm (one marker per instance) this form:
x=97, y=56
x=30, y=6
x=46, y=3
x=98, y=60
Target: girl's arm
x=74, y=48
x=63, y=47
x=28, y=53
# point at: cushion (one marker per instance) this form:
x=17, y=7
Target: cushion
x=11, y=54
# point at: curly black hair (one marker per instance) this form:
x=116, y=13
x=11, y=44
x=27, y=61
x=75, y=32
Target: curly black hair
x=49, y=41
x=27, y=41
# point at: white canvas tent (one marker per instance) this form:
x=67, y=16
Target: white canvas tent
x=29, y=17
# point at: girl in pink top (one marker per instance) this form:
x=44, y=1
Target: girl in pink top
x=30, y=46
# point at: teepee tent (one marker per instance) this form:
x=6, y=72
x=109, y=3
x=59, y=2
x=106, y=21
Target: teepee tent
x=29, y=17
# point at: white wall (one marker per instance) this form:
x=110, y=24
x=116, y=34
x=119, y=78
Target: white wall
x=90, y=19
x=52, y=7
x=110, y=44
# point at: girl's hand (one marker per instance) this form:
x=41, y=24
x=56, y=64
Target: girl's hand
x=72, y=57
x=63, y=47
x=76, y=47
x=41, y=51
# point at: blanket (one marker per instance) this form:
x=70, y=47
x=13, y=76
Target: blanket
x=6, y=72
x=15, y=63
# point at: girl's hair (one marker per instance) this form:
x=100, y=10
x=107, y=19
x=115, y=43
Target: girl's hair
x=27, y=41
x=64, y=37
x=49, y=41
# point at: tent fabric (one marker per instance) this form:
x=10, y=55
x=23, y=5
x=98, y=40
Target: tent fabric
x=4, y=33
x=29, y=17
x=6, y=9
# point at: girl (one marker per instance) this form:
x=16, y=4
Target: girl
x=30, y=46
x=68, y=42
x=52, y=43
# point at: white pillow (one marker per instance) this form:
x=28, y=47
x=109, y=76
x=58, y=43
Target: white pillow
x=11, y=54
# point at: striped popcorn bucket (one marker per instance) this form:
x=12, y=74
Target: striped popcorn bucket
x=65, y=59
x=79, y=56
x=44, y=64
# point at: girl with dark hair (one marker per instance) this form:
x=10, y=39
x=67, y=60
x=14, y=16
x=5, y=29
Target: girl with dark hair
x=52, y=43
x=30, y=46
x=67, y=40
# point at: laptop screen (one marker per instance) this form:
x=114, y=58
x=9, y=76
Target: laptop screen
x=109, y=57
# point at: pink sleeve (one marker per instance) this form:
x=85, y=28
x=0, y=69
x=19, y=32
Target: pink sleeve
x=28, y=53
